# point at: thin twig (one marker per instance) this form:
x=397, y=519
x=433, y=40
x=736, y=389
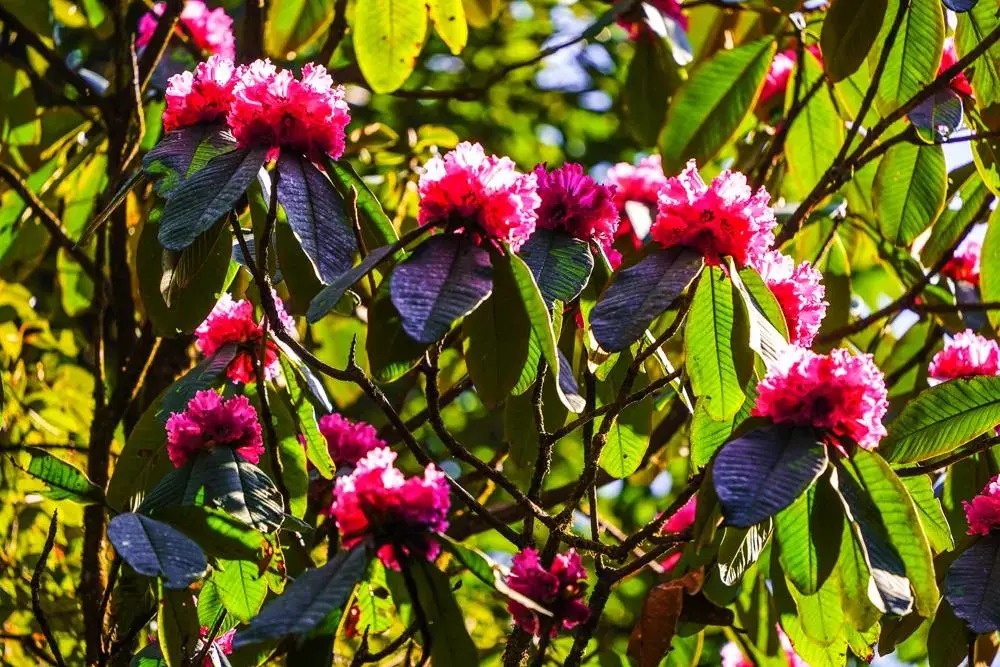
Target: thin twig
x=925, y=468
x=338, y=28
x=36, y=585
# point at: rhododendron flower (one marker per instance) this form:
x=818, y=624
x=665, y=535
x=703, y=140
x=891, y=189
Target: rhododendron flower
x=724, y=218
x=376, y=504
x=222, y=644
x=211, y=30
x=799, y=291
x=640, y=183
x=965, y=262
x=348, y=441
x=482, y=193
x=960, y=84
x=839, y=393
x=233, y=322
x=983, y=511
x=201, y=97
x=683, y=518
x=272, y=108
x=732, y=656
x=634, y=21
x=780, y=73
x=209, y=422
x=573, y=202
x=967, y=354
x=558, y=589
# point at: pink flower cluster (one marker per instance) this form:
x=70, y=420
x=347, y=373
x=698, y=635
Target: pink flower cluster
x=201, y=97
x=573, y=202
x=208, y=422
x=965, y=262
x=211, y=30
x=949, y=56
x=640, y=183
x=983, y=512
x=733, y=657
x=799, y=291
x=485, y=194
x=635, y=24
x=557, y=588
x=222, y=644
x=263, y=105
x=348, y=441
x=839, y=393
x=779, y=74
x=725, y=218
x=233, y=322
x=376, y=504
x=967, y=354
x=683, y=518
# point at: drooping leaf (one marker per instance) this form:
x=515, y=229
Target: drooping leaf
x=741, y=548
x=639, y=294
x=708, y=435
x=317, y=450
x=202, y=376
x=241, y=489
x=64, y=481
x=330, y=295
x=451, y=646
x=989, y=279
x=942, y=418
x=208, y=195
x=307, y=600
x=628, y=438
x=815, y=135
x=241, y=588
x=909, y=191
x=560, y=263
x=295, y=26
x=973, y=585
x=183, y=152
x=388, y=37
x=653, y=77
x=929, y=510
x=376, y=227
x=154, y=549
x=448, y=17
x=938, y=116
x=952, y=222
x=849, y=30
x=915, y=55
x=809, y=533
x=761, y=473
x=391, y=352
x=318, y=216
x=176, y=625
x=445, y=278
x=707, y=110
x=218, y=533
x=973, y=27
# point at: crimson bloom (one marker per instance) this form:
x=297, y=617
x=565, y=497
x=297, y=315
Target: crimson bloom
x=272, y=108
x=208, y=422
x=732, y=656
x=377, y=505
x=967, y=354
x=799, y=291
x=683, y=518
x=573, y=202
x=200, y=97
x=348, y=441
x=557, y=588
x=634, y=21
x=960, y=84
x=640, y=183
x=222, y=644
x=965, y=262
x=233, y=322
x=725, y=218
x=839, y=393
x=211, y=30
x=480, y=193
x=779, y=74
x=983, y=511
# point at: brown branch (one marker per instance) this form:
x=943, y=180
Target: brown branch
x=36, y=585
x=926, y=468
x=338, y=29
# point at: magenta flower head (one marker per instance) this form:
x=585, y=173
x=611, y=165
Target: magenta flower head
x=799, y=291
x=233, y=322
x=965, y=262
x=640, y=183
x=272, y=108
x=348, y=441
x=960, y=84
x=211, y=30
x=682, y=519
x=778, y=75
x=208, y=422
x=983, y=511
x=967, y=354
x=483, y=194
x=839, y=393
x=557, y=589
x=574, y=203
x=725, y=218
x=377, y=505
x=201, y=97
x=732, y=656
x=634, y=20
x=223, y=644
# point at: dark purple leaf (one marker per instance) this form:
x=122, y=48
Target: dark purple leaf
x=973, y=585
x=207, y=195
x=639, y=294
x=567, y=383
x=560, y=263
x=318, y=216
x=328, y=297
x=960, y=5
x=941, y=113
x=760, y=473
x=179, y=154
x=445, y=278
x=155, y=549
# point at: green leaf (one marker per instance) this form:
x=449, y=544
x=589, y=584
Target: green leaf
x=741, y=548
x=989, y=279
x=448, y=17
x=65, y=482
x=154, y=549
x=942, y=418
x=219, y=534
x=241, y=588
x=376, y=227
x=372, y=597
x=291, y=455
x=653, y=77
x=849, y=30
x=808, y=533
x=451, y=646
x=909, y=191
x=388, y=37
x=821, y=615
x=177, y=626
x=391, y=352
x=860, y=597
x=317, y=450
x=628, y=437
x=497, y=333
x=986, y=151
x=932, y=518
x=708, y=110
x=295, y=26
x=902, y=524
x=328, y=298
x=953, y=221
x=708, y=435
x=767, y=327
x=712, y=346
x=815, y=135
x=973, y=27
x=915, y=55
